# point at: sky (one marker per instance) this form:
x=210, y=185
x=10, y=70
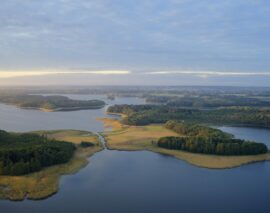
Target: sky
x=135, y=42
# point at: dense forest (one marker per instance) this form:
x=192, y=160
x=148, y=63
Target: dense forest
x=192, y=130
x=208, y=101
x=25, y=153
x=147, y=114
x=202, y=139
x=213, y=145
x=50, y=102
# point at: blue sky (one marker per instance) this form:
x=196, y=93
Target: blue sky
x=176, y=42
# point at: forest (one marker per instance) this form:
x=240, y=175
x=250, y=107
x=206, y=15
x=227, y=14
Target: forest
x=206, y=140
x=50, y=102
x=192, y=130
x=208, y=101
x=239, y=116
x=25, y=153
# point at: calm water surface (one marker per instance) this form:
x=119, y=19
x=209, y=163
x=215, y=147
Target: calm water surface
x=120, y=181
x=21, y=120
x=255, y=134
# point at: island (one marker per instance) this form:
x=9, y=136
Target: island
x=199, y=145
x=31, y=164
x=50, y=103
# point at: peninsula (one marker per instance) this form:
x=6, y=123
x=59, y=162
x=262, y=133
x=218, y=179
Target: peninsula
x=223, y=150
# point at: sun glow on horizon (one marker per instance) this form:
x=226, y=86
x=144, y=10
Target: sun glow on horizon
x=17, y=73
x=4, y=74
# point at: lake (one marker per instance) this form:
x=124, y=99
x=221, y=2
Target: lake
x=141, y=181
x=254, y=134
x=21, y=120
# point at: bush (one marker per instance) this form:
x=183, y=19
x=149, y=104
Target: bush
x=85, y=144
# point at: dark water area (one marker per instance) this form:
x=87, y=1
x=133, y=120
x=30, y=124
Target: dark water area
x=142, y=181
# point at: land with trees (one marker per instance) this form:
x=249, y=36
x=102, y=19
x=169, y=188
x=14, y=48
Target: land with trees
x=50, y=103
x=238, y=116
x=45, y=182
x=206, y=140
x=120, y=136
x=25, y=153
x=194, y=97
x=207, y=101
x=174, y=124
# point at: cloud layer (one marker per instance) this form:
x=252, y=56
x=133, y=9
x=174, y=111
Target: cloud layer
x=143, y=36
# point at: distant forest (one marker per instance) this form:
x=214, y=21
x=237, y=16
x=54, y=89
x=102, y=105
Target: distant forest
x=25, y=153
x=147, y=114
x=200, y=139
x=50, y=102
x=208, y=101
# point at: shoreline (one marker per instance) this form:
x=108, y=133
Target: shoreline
x=45, y=183
x=128, y=139
x=61, y=109
x=189, y=162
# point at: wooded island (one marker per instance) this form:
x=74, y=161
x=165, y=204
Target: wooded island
x=50, y=103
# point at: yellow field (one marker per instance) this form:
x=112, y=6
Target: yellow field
x=74, y=136
x=123, y=137
x=42, y=184
x=144, y=138
x=113, y=124
x=212, y=161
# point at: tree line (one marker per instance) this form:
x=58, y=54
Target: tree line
x=147, y=114
x=25, y=153
x=216, y=146
x=49, y=102
x=192, y=129
x=202, y=139
x=207, y=100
